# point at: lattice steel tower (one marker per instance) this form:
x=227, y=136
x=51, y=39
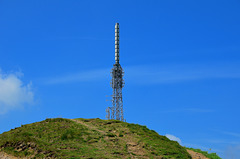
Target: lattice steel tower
x=117, y=83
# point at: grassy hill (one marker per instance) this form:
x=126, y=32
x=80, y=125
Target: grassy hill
x=88, y=138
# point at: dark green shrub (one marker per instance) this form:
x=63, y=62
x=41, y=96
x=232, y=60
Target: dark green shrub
x=69, y=134
x=111, y=135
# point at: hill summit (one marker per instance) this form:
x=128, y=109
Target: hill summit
x=88, y=138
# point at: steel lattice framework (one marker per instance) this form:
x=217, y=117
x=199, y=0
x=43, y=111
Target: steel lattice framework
x=117, y=83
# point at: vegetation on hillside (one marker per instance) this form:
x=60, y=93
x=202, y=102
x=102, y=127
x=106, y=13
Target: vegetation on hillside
x=205, y=153
x=88, y=138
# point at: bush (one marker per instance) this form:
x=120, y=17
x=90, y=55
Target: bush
x=111, y=135
x=69, y=134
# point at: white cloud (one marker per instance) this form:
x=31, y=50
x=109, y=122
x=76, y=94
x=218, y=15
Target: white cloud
x=13, y=93
x=174, y=138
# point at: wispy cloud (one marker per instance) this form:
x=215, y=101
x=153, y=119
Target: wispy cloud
x=161, y=74
x=155, y=74
x=232, y=152
x=233, y=134
x=13, y=93
x=174, y=138
x=85, y=76
x=221, y=141
x=188, y=110
x=77, y=38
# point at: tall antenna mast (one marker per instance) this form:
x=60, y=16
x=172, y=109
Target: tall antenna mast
x=117, y=43
x=117, y=83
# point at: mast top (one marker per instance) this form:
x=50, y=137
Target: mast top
x=117, y=43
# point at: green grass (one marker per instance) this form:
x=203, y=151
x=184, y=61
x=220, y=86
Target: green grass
x=205, y=153
x=95, y=138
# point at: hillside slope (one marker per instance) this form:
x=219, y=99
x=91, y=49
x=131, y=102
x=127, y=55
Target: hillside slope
x=88, y=138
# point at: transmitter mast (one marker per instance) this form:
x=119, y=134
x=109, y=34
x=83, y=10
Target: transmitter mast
x=117, y=83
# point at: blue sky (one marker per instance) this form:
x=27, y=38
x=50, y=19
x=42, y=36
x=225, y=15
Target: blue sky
x=181, y=62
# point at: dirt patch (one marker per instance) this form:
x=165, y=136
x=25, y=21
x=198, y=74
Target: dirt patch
x=23, y=146
x=135, y=149
x=3, y=155
x=196, y=155
x=20, y=146
x=89, y=126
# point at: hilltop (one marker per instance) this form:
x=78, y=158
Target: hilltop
x=88, y=138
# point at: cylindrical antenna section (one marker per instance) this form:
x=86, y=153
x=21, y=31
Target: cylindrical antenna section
x=117, y=43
